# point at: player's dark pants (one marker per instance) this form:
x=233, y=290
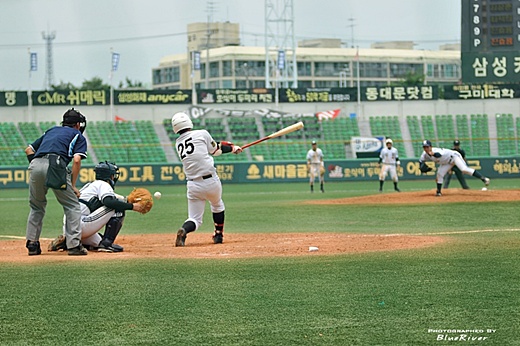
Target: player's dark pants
x=460, y=177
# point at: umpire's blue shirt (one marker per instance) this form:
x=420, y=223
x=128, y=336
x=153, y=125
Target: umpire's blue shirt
x=62, y=140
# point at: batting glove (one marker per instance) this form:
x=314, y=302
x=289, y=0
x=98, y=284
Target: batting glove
x=236, y=149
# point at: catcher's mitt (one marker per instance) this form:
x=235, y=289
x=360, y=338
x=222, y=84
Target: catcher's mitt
x=142, y=196
x=322, y=170
x=425, y=168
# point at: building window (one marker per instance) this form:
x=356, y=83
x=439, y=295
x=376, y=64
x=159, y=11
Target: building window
x=304, y=84
x=227, y=69
x=329, y=69
x=326, y=83
x=304, y=68
x=400, y=70
x=214, y=69
x=227, y=84
x=249, y=68
x=372, y=70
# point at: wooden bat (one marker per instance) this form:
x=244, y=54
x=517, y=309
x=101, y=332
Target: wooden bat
x=284, y=131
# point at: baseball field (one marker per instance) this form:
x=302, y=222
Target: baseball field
x=390, y=269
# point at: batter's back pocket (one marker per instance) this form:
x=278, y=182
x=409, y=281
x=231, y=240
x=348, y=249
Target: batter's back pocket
x=56, y=173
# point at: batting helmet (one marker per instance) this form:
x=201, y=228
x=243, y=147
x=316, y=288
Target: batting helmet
x=108, y=172
x=181, y=121
x=72, y=117
x=388, y=140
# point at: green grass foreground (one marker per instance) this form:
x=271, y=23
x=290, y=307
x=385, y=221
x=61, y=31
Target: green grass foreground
x=461, y=288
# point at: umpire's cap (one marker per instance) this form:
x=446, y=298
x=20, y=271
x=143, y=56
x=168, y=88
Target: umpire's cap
x=426, y=143
x=456, y=142
x=72, y=117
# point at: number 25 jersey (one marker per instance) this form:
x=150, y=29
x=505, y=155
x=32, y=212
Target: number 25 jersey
x=195, y=148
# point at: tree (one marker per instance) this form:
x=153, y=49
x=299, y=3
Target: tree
x=130, y=84
x=63, y=86
x=95, y=83
x=412, y=78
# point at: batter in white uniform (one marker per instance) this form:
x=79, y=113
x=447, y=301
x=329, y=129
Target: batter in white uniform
x=390, y=162
x=315, y=165
x=195, y=149
x=446, y=159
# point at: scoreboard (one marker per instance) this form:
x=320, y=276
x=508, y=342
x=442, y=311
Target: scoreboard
x=490, y=42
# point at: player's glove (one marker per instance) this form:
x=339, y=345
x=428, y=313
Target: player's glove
x=425, y=168
x=143, y=197
x=322, y=170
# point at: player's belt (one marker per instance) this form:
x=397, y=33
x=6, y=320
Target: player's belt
x=204, y=177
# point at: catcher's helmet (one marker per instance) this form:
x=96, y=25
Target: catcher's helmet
x=108, y=172
x=426, y=143
x=72, y=117
x=181, y=121
x=388, y=140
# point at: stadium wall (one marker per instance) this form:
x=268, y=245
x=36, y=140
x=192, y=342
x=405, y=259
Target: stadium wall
x=157, y=113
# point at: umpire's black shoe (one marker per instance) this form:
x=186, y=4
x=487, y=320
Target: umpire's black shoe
x=218, y=237
x=33, y=247
x=181, y=237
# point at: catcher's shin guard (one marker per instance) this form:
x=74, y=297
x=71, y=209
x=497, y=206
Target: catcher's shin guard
x=113, y=227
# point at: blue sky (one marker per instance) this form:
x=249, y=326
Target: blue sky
x=144, y=31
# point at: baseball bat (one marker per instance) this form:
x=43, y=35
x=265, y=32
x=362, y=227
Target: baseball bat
x=284, y=131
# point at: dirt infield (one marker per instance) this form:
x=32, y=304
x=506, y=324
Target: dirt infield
x=199, y=245
x=234, y=246
x=428, y=197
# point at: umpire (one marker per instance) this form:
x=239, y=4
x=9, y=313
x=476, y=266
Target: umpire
x=455, y=169
x=48, y=158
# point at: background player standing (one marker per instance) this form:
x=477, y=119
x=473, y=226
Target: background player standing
x=62, y=144
x=446, y=159
x=455, y=169
x=389, y=159
x=315, y=166
x=195, y=149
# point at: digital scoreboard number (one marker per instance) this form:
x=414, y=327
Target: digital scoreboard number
x=490, y=43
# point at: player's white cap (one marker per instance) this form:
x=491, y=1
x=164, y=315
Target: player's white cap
x=388, y=140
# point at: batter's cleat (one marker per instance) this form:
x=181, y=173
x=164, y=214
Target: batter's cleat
x=106, y=246
x=380, y=190
x=181, y=237
x=77, y=251
x=438, y=194
x=486, y=181
x=397, y=189
x=33, y=247
x=218, y=237
x=59, y=243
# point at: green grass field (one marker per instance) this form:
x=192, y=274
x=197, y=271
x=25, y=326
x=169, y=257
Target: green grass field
x=465, y=286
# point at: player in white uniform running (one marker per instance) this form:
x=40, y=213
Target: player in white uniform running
x=390, y=163
x=315, y=166
x=100, y=207
x=196, y=149
x=446, y=159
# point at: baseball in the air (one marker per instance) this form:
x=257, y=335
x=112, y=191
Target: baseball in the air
x=157, y=195
x=484, y=189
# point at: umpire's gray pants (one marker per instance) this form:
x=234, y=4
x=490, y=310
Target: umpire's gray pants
x=38, y=201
